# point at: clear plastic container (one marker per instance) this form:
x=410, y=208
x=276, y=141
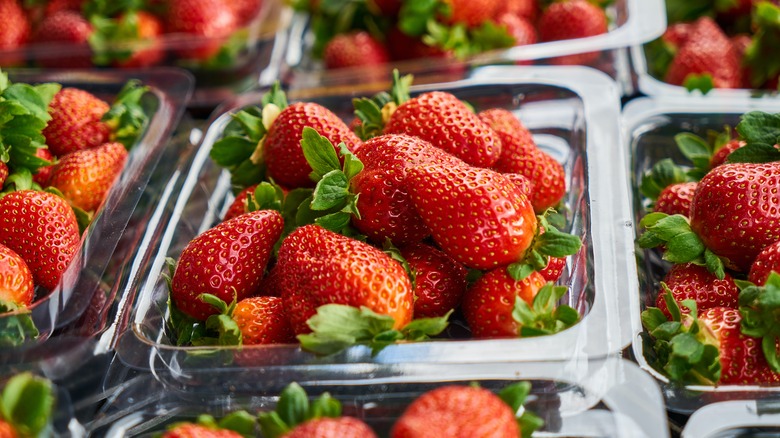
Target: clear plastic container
x=83, y=284
x=739, y=418
x=573, y=113
x=631, y=22
x=650, y=126
x=604, y=398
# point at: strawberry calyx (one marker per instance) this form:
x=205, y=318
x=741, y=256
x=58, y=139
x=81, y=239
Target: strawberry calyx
x=16, y=325
x=766, y=38
x=515, y=395
x=374, y=112
x=663, y=174
x=111, y=8
x=337, y=327
x=761, y=132
x=759, y=307
x=703, y=82
x=83, y=218
x=548, y=242
x=115, y=39
x=128, y=116
x=544, y=316
x=395, y=254
x=26, y=403
x=239, y=421
x=660, y=55
x=294, y=408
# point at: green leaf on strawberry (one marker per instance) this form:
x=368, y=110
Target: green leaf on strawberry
x=663, y=174
x=294, y=408
x=375, y=111
x=128, y=115
x=544, y=316
x=16, y=326
x=702, y=82
x=549, y=242
x=659, y=55
x=514, y=396
x=26, y=403
x=688, y=10
x=759, y=307
x=760, y=55
x=414, y=15
x=761, y=132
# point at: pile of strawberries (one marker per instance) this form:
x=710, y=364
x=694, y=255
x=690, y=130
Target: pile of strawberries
x=718, y=224
x=378, y=233
x=126, y=34
x=718, y=45
x=449, y=410
x=62, y=150
x=374, y=32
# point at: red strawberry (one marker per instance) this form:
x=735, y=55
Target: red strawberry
x=554, y=269
x=85, y=177
x=41, y=227
x=192, y=430
x=706, y=51
x=387, y=8
x=736, y=211
x=54, y=6
x=521, y=182
x=676, y=199
x=206, y=22
x=342, y=427
x=226, y=261
x=282, y=145
x=42, y=177
x=520, y=28
x=238, y=207
x=457, y=411
x=146, y=44
x=15, y=30
x=472, y=13
x=721, y=155
x=75, y=122
x=677, y=34
x=572, y=19
x=475, y=215
x=527, y=9
x=7, y=430
x=447, y=123
x=262, y=320
x=767, y=261
x=65, y=27
x=16, y=281
x=488, y=304
x=354, y=49
x=3, y=173
x=245, y=11
x=519, y=154
x=404, y=47
x=439, y=281
x=691, y=282
x=318, y=267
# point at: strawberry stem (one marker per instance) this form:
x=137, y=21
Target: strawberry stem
x=27, y=402
x=294, y=408
x=760, y=309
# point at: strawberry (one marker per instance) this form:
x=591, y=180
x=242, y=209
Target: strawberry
x=524, y=184
x=282, y=150
x=65, y=27
x=343, y=427
x=354, y=49
x=54, y=6
x=677, y=34
x=457, y=411
x=318, y=267
x=16, y=281
x=7, y=430
x=447, y=123
x=194, y=430
x=238, y=207
x=554, y=269
x=520, y=28
x=41, y=227
x=15, y=31
x=43, y=174
x=132, y=40
x=245, y=11
x=3, y=173
x=75, y=122
x=205, y=22
x=721, y=155
x=85, y=177
x=28, y=401
x=519, y=154
x=572, y=19
x=472, y=13
x=402, y=47
x=692, y=282
x=262, y=320
x=226, y=261
x=439, y=281
x=767, y=261
x=527, y=9
x=676, y=199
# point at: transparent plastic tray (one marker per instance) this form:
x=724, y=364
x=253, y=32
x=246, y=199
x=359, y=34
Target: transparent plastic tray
x=631, y=22
x=650, y=126
x=742, y=418
x=593, y=398
x=573, y=113
x=82, y=281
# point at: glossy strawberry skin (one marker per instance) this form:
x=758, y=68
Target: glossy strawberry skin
x=722, y=154
x=326, y=427
x=524, y=184
x=65, y=27
x=447, y=123
x=15, y=31
x=472, y=13
x=191, y=430
x=238, y=207
x=44, y=173
x=225, y=260
x=282, y=151
x=520, y=28
x=689, y=281
x=707, y=50
x=353, y=50
x=572, y=19
x=457, y=411
x=41, y=227
x=528, y=9
x=207, y=22
x=488, y=304
x=767, y=261
x=676, y=199
x=262, y=320
x=75, y=122
x=85, y=177
x=554, y=269
x=475, y=215
x=440, y=281
x=318, y=267
x=3, y=173
x=736, y=211
x=16, y=282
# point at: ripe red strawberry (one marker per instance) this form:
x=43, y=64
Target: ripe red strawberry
x=282, y=151
x=477, y=216
x=7, y=430
x=720, y=156
x=439, y=281
x=457, y=411
x=262, y=320
x=521, y=182
x=42, y=177
x=472, y=13
x=238, y=207
x=15, y=30
x=527, y=9
x=488, y=304
x=354, y=49
x=767, y=261
x=146, y=44
x=227, y=261
x=75, y=122
x=206, y=22
x=676, y=199
x=193, y=430
x=404, y=47
x=554, y=269
x=318, y=267
x=16, y=281
x=519, y=154
x=54, y=6
x=245, y=10
x=65, y=27
x=706, y=51
x=677, y=34
x=736, y=211
x=41, y=227
x=85, y=177
x=342, y=427
x=447, y=123
x=3, y=173
x=691, y=282
x=520, y=28
x=572, y=19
